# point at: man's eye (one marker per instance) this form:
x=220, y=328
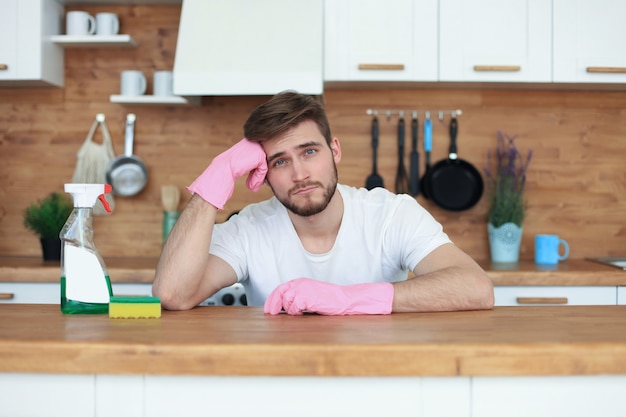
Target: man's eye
x=310, y=151
x=279, y=162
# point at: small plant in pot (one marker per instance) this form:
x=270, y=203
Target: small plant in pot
x=506, y=178
x=46, y=219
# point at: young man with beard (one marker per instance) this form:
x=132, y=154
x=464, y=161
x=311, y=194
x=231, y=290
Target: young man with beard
x=316, y=246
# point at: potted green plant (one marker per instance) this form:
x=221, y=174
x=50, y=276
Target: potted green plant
x=506, y=179
x=46, y=219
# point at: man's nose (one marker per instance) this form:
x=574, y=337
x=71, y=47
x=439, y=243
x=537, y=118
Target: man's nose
x=300, y=171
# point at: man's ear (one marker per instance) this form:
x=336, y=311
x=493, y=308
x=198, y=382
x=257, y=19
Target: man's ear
x=335, y=148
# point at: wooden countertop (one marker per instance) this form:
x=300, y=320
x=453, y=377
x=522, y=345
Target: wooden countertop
x=571, y=272
x=582, y=340
x=138, y=270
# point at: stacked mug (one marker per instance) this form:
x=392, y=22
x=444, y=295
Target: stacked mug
x=81, y=23
x=134, y=83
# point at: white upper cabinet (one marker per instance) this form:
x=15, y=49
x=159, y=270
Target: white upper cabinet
x=370, y=40
x=27, y=55
x=495, y=40
x=589, y=41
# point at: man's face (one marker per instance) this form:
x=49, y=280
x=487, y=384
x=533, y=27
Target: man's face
x=302, y=169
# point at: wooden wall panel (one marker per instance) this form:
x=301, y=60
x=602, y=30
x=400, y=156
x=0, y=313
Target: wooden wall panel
x=576, y=183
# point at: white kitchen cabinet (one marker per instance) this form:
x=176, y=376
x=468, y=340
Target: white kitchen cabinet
x=566, y=295
x=30, y=292
x=153, y=396
x=589, y=41
x=369, y=40
x=117, y=396
x=572, y=396
x=495, y=41
x=27, y=56
x=49, y=395
x=334, y=396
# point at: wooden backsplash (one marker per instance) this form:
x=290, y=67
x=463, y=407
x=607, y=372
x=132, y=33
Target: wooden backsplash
x=576, y=183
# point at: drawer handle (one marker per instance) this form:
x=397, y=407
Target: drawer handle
x=542, y=300
x=607, y=70
x=498, y=68
x=382, y=67
x=6, y=296
x=4, y=67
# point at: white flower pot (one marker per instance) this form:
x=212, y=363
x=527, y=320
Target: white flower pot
x=504, y=242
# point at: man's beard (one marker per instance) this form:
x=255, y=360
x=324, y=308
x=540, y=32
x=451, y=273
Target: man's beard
x=310, y=208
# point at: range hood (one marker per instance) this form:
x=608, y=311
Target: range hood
x=249, y=47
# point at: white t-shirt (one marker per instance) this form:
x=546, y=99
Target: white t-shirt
x=382, y=236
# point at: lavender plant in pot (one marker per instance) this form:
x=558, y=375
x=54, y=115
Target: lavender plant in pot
x=506, y=178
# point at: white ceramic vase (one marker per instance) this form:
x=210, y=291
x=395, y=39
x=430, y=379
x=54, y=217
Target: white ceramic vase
x=504, y=242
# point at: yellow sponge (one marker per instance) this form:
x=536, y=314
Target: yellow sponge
x=134, y=307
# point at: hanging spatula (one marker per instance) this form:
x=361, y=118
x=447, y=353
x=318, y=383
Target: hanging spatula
x=428, y=144
x=414, y=168
x=374, y=180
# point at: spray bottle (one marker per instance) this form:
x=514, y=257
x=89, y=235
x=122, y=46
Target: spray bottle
x=85, y=283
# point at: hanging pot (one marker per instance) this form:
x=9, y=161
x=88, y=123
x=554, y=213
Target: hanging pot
x=127, y=174
x=454, y=184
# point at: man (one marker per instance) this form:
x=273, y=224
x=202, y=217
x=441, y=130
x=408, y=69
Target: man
x=316, y=246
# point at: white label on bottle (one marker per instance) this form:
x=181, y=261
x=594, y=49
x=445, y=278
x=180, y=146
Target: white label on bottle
x=84, y=278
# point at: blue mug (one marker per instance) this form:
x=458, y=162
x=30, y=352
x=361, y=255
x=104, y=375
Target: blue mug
x=547, y=249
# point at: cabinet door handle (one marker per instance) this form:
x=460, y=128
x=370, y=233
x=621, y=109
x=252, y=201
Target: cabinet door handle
x=382, y=67
x=497, y=68
x=6, y=296
x=4, y=67
x=607, y=70
x=541, y=300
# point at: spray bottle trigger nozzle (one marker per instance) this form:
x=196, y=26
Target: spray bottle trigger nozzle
x=105, y=203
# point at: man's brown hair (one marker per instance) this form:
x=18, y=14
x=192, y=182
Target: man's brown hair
x=282, y=112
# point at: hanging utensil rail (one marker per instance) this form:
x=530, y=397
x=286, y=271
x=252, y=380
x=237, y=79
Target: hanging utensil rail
x=414, y=113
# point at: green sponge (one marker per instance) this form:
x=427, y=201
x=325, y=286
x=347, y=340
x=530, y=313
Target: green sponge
x=134, y=307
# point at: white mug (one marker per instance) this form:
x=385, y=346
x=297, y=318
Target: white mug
x=133, y=83
x=107, y=24
x=163, y=83
x=79, y=23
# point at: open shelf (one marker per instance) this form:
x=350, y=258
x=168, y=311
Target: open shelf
x=156, y=100
x=94, y=41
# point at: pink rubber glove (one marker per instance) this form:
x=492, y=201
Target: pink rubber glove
x=217, y=183
x=305, y=294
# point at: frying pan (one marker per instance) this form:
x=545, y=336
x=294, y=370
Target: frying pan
x=127, y=174
x=454, y=184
